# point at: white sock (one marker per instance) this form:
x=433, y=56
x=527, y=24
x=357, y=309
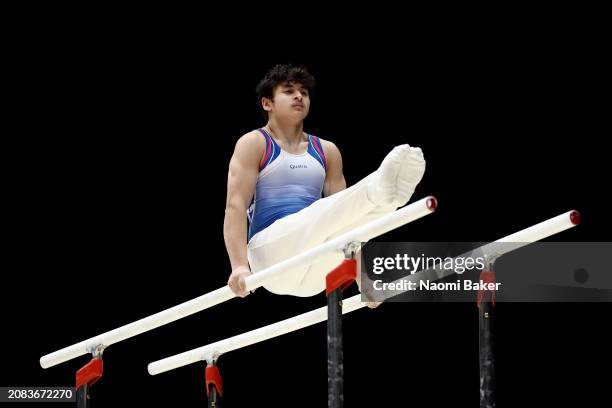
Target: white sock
x=396, y=178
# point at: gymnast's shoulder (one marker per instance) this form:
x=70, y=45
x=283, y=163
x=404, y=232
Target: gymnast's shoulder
x=250, y=143
x=330, y=149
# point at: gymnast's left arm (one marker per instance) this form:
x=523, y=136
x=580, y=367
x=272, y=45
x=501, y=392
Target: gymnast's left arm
x=334, y=178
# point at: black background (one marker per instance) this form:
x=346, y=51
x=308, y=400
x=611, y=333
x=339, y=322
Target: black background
x=117, y=162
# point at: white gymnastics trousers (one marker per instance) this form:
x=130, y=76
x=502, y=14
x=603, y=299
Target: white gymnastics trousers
x=323, y=220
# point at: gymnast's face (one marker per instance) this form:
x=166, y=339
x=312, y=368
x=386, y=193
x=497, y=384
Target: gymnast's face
x=291, y=102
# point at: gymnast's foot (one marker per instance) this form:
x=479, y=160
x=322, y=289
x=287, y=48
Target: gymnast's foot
x=397, y=177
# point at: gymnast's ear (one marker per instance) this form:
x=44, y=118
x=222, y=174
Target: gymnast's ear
x=266, y=104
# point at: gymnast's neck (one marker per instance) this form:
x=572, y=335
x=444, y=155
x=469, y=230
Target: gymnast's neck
x=291, y=134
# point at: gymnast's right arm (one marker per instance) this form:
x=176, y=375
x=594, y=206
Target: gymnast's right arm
x=241, y=180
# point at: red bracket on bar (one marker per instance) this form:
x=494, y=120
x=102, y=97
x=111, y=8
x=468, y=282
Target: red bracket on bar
x=89, y=373
x=486, y=277
x=342, y=276
x=213, y=376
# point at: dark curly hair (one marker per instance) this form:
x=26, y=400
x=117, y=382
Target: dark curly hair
x=276, y=76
